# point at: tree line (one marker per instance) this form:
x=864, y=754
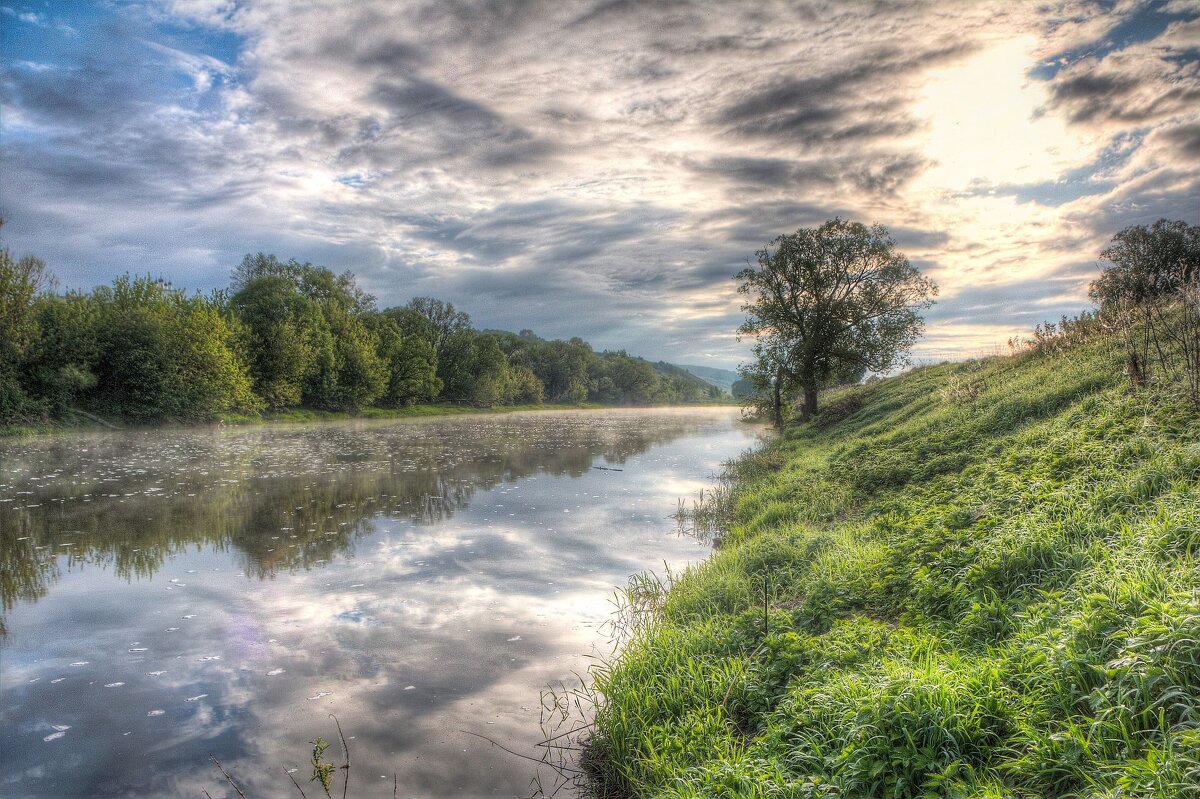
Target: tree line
x=283, y=335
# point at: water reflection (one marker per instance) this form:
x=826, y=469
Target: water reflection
x=168, y=596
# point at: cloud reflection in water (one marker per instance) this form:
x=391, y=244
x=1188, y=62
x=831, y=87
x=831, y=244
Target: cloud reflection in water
x=273, y=576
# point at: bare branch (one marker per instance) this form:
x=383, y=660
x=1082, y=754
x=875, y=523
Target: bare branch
x=226, y=773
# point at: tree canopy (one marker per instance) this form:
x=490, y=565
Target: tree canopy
x=285, y=334
x=1148, y=263
x=825, y=305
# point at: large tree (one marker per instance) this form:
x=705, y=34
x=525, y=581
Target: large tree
x=1148, y=263
x=1149, y=294
x=828, y=303
x=284, y=332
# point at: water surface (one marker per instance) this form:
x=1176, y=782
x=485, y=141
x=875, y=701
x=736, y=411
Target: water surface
x=174, y=596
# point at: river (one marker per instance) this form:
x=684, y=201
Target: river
x=180, y=595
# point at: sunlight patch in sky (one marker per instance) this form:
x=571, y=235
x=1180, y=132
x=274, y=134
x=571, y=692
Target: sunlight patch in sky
x=987, y=124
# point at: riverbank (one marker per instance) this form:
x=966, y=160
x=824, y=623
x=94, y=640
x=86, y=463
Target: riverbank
x=972, y=580
x=80, y=422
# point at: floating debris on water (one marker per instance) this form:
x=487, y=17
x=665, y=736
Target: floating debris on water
x=59, y=731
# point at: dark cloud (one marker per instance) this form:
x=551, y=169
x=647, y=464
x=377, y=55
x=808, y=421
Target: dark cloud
x=906, y=238
x=659, y=15
x=1132, y=79
x=1185, y=139
x=1091, y=93
x=886, y=175
x=847, y=104
x=747, y=227
x=560, y=232
x=411, y=100
x=387, y=53
x=777, y=172
x=882, y=175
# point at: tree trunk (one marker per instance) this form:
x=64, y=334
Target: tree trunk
x=810, y=404
x=777, y=398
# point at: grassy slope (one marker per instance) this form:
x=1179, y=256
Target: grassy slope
x=983, y=583
x=73, y=422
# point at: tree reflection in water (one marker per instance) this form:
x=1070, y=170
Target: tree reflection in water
x=172, y=595
x=284, y=497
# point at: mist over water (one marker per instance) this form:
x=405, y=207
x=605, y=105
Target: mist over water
x=174, y=595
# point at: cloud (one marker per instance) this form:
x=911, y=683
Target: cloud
x=847, y=105
x=1144, y=82
x=1185, y=139
x=594, y=168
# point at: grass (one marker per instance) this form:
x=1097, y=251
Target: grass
x=300, y=415
x=72, y=422
x=975, y=580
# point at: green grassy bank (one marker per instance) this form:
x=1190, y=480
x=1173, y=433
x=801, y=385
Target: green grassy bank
x=407, y=412
x=980, y=580
x=72, y=422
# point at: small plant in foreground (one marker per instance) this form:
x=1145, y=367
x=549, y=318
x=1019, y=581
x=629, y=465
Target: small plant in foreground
x=322, y=770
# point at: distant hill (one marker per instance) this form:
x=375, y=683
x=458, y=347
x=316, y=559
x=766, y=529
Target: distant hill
x=683, y=373
x=723, y=378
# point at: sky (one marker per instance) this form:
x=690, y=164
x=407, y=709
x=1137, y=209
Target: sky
x=600, y=168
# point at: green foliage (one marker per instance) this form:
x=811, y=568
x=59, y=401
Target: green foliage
x=1151, y=296
x=20, y=281
x=981, y=581
x=743, y=388
x=562, y=367
x=60, y=364
x=1148, y=263
x=284, y=332
x=524, y=388
x=409, y=361
x=827, y=304
x=308, y=337
x=287, y=335
x=353, y=375
x=322, y=770
x=475, y=371
x=162, y=354
x=624, y=378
